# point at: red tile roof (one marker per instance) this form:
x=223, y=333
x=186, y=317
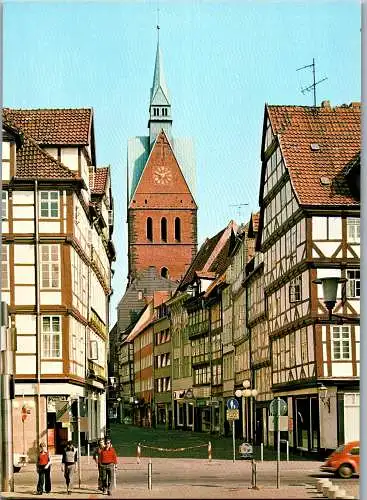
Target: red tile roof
x=53, y=126
x=213, y=257
x=98, y=180
x=317, y=172
x=33, y=162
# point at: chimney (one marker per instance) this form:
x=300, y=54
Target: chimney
x=325, y=104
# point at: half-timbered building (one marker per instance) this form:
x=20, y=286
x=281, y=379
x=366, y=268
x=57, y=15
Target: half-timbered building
x=56, y=272
x=309, y=229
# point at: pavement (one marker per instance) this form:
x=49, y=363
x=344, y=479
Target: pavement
x=183, y=478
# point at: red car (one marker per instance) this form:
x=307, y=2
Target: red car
x=344, y=461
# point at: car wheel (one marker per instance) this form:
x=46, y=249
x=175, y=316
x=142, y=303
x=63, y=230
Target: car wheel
x=345, y=471
x=16, y=469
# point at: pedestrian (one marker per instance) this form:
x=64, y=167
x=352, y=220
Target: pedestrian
x=44, y=470
x=108, y=460
x=69, y=459
x=96, y=458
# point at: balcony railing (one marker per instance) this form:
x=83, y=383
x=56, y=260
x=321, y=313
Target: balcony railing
x=197, y=329
x=95, y=371
x=98, y=324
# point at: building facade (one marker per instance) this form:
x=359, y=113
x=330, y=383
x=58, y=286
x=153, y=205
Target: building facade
x=56, y=273
x=309, y=229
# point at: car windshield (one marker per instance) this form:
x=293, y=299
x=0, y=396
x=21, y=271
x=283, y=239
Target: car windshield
x=339, y=449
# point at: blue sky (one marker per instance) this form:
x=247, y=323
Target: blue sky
x=222, y=61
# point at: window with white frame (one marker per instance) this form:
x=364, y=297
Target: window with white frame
x=4, y=267
x=295, y=289
x=49, y=204
x=353, y=283
x=4, y=205
x=51, y=337
x=341, y=342
x=50, y=266
x=353, y=229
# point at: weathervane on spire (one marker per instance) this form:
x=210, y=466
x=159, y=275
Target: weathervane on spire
x=158, y=27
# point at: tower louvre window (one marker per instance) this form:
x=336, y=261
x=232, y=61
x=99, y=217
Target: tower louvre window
x=149, y=229
x=164, y=229
x=164, y=272
x=177, y=229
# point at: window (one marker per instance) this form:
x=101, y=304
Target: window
x=50, y=266
x=164, y=229
x=295, y=290
x=149, y=229
x=51, y=337
x=353, y=284
x=341, y=342
x=4, y=205
x=353, y=229
x=49, y=204
x=4, y=267
x=93, y=350
x=354, y=451
x=177, y=229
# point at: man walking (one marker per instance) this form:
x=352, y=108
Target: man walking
x=96, y=458
x=69, y=459
x=108, y=461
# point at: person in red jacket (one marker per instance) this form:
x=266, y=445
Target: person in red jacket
x=108, y=464
x=44, y=470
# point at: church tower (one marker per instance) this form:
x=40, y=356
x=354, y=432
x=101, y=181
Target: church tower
x=161, y=208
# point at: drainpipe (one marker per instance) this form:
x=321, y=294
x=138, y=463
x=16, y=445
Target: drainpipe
x=38, y=315
x=87, y=344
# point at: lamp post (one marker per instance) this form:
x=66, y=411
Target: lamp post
x=247, y=392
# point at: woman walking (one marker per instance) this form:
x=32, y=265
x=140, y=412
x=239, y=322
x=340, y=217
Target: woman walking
x=108, y=461
x=69, y=459
x=44, y=470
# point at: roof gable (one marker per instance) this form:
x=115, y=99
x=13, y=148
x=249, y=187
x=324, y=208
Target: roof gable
x=162, y=174
x=316, y=145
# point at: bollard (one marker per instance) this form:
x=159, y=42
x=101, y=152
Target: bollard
x=210, y=451
x=287, y=444
x=88, y=450
x=262, y=451
x=253, y=475
x=150, y=474
x=332, y=491
x=138, y=454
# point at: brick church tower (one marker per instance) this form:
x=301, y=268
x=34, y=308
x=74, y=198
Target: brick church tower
x=161, y=209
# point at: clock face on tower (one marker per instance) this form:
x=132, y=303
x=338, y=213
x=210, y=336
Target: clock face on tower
x=162, y=175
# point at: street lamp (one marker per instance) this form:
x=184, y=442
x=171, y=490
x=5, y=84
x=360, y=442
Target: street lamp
x=329, y=292
x=248, y=393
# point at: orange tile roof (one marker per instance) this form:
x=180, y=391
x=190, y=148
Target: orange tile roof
x=98, y=180
x=33, y=162
x=53, y=126
x=337, y=132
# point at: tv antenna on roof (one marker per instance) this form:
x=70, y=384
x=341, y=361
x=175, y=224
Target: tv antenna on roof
x=313, y=86
x=239, y=209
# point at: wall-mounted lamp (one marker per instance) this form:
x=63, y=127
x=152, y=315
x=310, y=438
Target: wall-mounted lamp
x=329, y=291
x=324, y=396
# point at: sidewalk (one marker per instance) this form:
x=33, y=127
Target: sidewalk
x=173, y=478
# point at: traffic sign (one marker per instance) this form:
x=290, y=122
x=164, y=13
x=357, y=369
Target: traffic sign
x=233, y=414
x=283, y=407
x=232, y=404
